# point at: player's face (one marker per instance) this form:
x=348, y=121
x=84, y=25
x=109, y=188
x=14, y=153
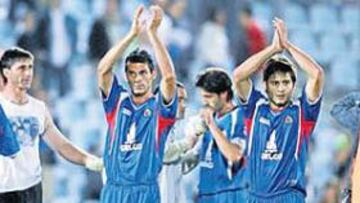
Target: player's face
x=211, y=100
x=279, y=88
x=139, y=78
x=182, y=97
x=20, y=74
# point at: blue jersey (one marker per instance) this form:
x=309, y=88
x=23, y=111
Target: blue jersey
x=136, y=137
x=8, y=140
x=217, y=174
x=278, y=144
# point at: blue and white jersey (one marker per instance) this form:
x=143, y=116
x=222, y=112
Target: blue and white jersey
x=278, y=143
x=217, y=174
x=136, y=136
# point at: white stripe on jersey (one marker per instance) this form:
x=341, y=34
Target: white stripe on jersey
x=258, y=104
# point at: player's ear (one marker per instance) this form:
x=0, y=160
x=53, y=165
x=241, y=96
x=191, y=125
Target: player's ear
x=6, y=72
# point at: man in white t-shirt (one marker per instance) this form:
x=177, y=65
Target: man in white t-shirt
x=20, y=174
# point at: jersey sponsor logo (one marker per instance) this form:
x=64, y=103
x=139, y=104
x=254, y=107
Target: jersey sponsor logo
x=271, y=151
x=130, y=143
x=264, y=121
x=208, y=162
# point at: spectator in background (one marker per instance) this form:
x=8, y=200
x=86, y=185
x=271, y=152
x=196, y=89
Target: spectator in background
x=99, y=41
x=180, y=38
x=27, y=39
x=212, y=47
x=256, y=39
x=347, y=112
x=57, y=40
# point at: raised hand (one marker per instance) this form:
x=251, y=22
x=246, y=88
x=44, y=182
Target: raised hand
x=207, y=114
x=281, y=29
x=156, y=18
x=276, y=45
x=137, y=24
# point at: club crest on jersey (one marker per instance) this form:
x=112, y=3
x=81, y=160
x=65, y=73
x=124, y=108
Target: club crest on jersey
x=288, y=120
x=271, y=150
x=147, y=113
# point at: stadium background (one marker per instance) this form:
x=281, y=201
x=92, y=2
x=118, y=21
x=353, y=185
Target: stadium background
x=197, y=33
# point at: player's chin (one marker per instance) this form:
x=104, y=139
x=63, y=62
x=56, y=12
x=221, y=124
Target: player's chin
x=281, y=103
x=139, y=93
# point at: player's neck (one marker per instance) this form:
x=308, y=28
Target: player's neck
x=228, y=106
x=141, y=99
x=15, y=95
x=276, y=108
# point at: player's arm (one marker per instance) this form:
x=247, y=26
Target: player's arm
x=105, y=66
x=356, y=177
x=314, y=71
x=193, y=130
x=242, y=73
x=168, y=77
x=174, y=150
x=231, y=151
x=66, y=149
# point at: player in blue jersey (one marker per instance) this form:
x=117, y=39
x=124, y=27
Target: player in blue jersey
x=279, y=127
x=222, y=177
x=138, y=121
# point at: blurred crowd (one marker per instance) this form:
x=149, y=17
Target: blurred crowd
x=68, y=38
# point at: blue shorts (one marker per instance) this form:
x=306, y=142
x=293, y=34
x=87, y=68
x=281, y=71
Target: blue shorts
x=229, y=196
x=288, y=197
x=112, y=193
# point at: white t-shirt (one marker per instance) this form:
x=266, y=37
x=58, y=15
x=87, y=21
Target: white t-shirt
x=28, y=121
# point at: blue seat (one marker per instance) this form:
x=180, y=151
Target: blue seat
x=306, y=41
x=344, y=72
x=332, y=44
x=350, y=19
x=323, y=18
x=295, y=14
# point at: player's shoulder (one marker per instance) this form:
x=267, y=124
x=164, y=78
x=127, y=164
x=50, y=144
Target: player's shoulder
x=36, y=103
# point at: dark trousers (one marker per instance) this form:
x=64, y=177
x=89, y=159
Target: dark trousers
x=30, y=195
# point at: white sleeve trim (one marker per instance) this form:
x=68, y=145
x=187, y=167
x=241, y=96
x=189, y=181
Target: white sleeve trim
x=162, y=98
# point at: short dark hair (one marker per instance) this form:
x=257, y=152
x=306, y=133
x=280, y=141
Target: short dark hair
x=139, y=56
x=278, y=65
x=247, y=10
x=12, y=55
x=215, y=80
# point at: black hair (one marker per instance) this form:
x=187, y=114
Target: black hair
x=12, y=55
x=139, y=56
x=278, y=65
x=247, y=11
x=215, y=80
